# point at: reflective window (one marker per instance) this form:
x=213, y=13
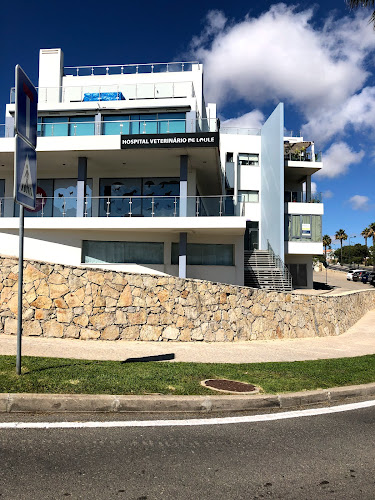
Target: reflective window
x=145, y=197
x=56, y=126
x=152, y=123
x=248, y=159
x=249, y=196
x=122, y=252
x=205, y=254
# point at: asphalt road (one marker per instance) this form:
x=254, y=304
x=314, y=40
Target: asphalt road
x=326, y=456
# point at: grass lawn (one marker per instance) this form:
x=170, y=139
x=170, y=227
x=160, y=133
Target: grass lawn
x=55, y=375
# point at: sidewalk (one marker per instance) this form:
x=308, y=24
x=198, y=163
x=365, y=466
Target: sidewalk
x=357, y=341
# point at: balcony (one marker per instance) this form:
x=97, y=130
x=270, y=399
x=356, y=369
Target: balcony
x=303, y=156
x=302, y=197
x=130, y=69
x=120, y=92
x=82, y=127
x=127, y=206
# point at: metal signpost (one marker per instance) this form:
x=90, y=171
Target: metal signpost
x=26, y=117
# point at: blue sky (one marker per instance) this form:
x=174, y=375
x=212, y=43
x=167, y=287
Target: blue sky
x=316, y=58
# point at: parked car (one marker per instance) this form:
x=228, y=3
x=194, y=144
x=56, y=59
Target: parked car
x=352, y=274
x=372, y=280
x=366, y=277
x=357, y=275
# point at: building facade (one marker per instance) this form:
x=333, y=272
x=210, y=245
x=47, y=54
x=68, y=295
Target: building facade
x=136, y=174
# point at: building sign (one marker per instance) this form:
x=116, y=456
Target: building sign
x=306, y=230
x=168, y=141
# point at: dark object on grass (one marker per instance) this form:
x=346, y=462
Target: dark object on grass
x=222, y=384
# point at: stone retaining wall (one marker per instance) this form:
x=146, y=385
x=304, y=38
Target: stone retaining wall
x=64, y=301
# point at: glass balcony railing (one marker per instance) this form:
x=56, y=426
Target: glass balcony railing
x=128, y=206
x=118, y=127
x=130, y=69
x=239, y=131
x=119, y=92
x=302, y=197
x=303, y=156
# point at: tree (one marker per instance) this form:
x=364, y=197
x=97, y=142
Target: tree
x=326, y=243
x=342, y=236
x=366, y=233
x=354, y=253
x=372, y=232
x=354, y=4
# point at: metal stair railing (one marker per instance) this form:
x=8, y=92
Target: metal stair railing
x=279, y=263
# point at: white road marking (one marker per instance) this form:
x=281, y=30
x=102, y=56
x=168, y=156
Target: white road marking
x=188, y=422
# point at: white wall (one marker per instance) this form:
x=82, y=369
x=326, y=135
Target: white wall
x=272, y=207
x=302, y=259
x=64, y=247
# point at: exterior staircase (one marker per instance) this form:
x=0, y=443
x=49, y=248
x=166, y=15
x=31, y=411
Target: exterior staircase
x=264, y=269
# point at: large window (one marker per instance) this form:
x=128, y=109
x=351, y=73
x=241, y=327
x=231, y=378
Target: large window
x=52, y=126
x=142, y=197
x=249, y=196
x=304, y=227
x=57, y=198
x=248, y=159
x=122, y=252
x=206, y=254
x=156, y=123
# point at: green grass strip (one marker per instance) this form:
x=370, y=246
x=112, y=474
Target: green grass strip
x=73, y=376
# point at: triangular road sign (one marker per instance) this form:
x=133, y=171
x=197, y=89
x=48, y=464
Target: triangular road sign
x=26, y=184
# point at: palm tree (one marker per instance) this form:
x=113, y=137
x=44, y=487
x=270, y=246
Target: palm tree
x=372, y=232
x=354, y=4
x=326, y=243
x=342, y=236
x=366, y=233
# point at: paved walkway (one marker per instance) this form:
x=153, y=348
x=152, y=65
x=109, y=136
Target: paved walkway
x=358, y=340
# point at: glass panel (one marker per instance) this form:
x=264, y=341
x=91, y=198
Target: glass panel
x=54, y=126
x=65, y=198
x=120, y=252
x=116, y=125
x=202, y=254
x=134, y=125
x=316, y=228
x=120, y=197
x=172, y=123
x=44, y=202
x=82, y=125
x=168, y=187
x=148, y=124
x=295, y=227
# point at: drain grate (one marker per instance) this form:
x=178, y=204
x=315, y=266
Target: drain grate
x=224, y=385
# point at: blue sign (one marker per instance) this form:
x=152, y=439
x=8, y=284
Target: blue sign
x=24, y=173
x=26, y=115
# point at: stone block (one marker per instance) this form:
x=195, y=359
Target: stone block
x=150, y=332
x=171, y=333
x=82, y=320
x=31, y=328
x=130, y=333
x=10, y=326
x=31, y=274
x=42, y=303
x=125, y=299
x=87, y=334
x=137, y=318
x=64, y=315
x=53, y=328
x=72, y=332
x=100, y=321
x=110, y=333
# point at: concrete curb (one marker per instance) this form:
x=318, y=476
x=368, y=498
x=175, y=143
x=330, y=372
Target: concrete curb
x=75, y=403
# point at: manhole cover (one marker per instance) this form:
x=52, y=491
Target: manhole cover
x=224, y=385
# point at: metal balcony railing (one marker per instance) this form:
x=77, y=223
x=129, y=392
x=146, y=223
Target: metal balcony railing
x=302, y=197
x=128, y=206
x=303, y=156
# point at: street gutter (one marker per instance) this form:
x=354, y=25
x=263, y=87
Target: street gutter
x=87, y=403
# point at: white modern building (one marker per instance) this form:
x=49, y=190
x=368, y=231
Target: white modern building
x=135, y=174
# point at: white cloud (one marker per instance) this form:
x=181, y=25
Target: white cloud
x=280, y=55
x=327, y=194
x=337, y=160
x=254, y=119
x=359, y=202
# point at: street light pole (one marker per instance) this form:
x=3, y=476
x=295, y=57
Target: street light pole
x=350, y=238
